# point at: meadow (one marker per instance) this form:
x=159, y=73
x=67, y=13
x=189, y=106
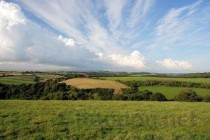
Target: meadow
x=171, y=92
x=17, y=79
x=45, y=76
x=21, y=119
x=142, y=78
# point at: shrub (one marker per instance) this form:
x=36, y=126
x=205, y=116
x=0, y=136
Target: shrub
x=117, y=97
x=188, y=95
x=146, y=94
x=158, y=97
x=206, y=98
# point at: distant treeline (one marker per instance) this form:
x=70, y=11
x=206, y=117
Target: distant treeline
x=173, y=75
x=166, y=83
x=94, y=74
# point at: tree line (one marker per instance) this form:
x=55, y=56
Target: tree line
x=53, y=90
x=166, y=83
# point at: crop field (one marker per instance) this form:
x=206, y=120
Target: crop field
x=103, y=120
x=171, y=92
x=141, y=78
x=17, y=79
x=88, y=83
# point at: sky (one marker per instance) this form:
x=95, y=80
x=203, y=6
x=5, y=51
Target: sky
x=106, y=35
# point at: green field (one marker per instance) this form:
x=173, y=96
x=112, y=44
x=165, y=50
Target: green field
x=103, y=120
x=45, y=76
x=171, y=92
x=27, y=78
x=19, y=79
x=141, y=78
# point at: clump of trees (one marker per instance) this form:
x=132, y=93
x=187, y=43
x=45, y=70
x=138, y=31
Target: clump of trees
x=158, y=97
x=146, y=95
x=51, y=89
x=206, y=98
x=188, y=95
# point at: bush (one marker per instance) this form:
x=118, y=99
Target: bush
x=158, y=97
x=206, y=98
x=188, y=95
x=117, y=97
x=146, y=94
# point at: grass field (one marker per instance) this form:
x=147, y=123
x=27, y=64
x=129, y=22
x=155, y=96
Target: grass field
x=104, y=120
x=88, y=83
x=171, y=92
x=18, y=79
x=141, y=78
x=45, y=76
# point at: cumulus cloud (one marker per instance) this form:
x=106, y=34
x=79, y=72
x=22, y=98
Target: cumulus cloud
x=67, y=41
x=174, y=64
x=21, y=40
x=134, y=60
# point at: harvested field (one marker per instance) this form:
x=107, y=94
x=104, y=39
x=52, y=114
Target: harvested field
x=87, y=83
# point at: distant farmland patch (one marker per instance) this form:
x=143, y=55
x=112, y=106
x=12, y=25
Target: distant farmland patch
x=17, y=79
x=171, y=92
x=87, y=83
x=142, y=78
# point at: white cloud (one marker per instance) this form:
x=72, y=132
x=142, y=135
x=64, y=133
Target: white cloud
x=10, y=15
x=114, y=11
x=134, y=60
x=25, y=41
x=30, y=66
x=67, y=41
x=170, y=23
x=174, y=64
x=180, y=26
x=139, y=11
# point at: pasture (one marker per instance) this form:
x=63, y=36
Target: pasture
x=103, y=120
x=171, y=92
x=17, y=79
x=141, y=78
x=87, y=83
x=46, y=76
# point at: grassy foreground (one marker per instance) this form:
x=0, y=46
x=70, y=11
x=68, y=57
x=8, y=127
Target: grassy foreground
x=171, y=92
x=103, y=120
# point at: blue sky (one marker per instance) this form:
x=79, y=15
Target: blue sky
x=119, y=35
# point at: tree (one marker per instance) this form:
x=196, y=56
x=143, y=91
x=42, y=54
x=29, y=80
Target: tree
x=134, y=87
x=146, y=94
x=158, y=97
x=188, y=95
x=206, y=98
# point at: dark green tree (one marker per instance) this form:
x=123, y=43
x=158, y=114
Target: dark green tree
x=158, y=97
x=188, y=95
